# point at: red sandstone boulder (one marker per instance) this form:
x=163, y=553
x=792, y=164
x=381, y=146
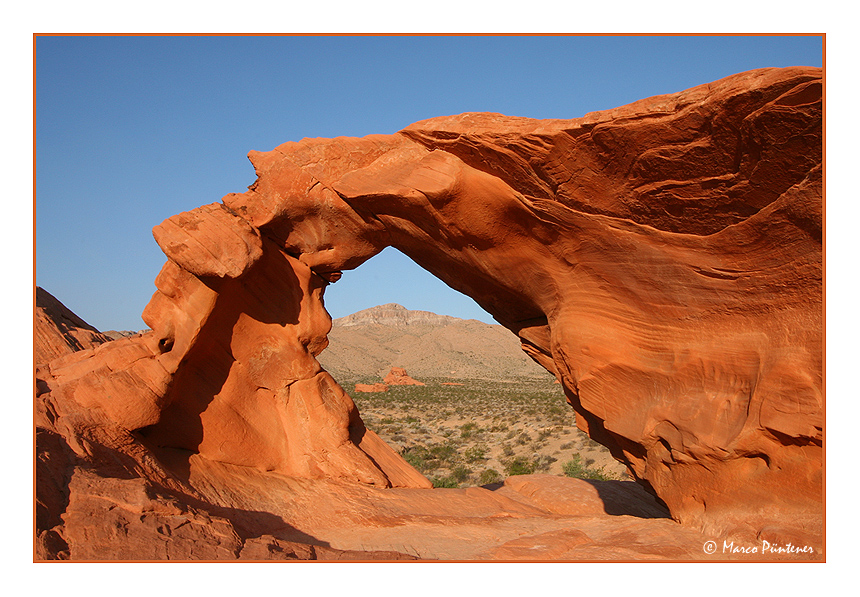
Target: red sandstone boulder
x=398, y=377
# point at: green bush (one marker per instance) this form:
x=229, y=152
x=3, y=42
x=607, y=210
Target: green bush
x=444, y=452
x=520, y=466
x=576, y=469
x=427, y=459
x=445, y=482
x=417, y=457
x=489, y=476
x=475, y=454
x=460, y=473
x=543, y=463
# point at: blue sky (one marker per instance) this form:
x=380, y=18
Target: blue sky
x=131, y=130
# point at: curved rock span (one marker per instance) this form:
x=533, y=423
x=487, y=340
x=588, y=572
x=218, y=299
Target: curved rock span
x=662, y=259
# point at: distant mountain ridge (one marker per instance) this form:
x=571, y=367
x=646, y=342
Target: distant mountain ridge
x=395, y=315
x=367, y=344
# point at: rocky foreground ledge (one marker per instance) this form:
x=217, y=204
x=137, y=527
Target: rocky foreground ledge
x=662, y=259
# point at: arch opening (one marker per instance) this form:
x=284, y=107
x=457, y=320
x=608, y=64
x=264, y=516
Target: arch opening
x=483, y=411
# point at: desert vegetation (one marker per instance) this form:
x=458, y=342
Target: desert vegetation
x=479, y=432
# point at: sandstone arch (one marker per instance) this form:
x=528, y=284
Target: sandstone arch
x=662, y=259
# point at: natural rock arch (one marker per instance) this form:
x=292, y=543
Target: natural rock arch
x=662, y=259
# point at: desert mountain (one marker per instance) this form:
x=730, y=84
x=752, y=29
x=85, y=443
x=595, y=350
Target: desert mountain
x=370, y=342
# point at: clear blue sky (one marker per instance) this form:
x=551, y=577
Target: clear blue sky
x=131, y=130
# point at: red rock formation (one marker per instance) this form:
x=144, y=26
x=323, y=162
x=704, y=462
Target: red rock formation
x=59, y=332
x=229, y=370
x=663, y=259
x=398, y=377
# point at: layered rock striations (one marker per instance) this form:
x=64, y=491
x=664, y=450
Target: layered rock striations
x=662, y=259
x=58, y=332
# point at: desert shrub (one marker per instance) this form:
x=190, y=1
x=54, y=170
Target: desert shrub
x=566, y=446
x=467, y=429
x=520, y=466
x=426, y=458
x=417, y=456
x=576, y=469
x=593, y=444
x=444, y=482
x=475, y=454
x=544, y=462
x=443, y=452
x=523, y=438
x=460, y=473
x=489, y=476
x=507, y=450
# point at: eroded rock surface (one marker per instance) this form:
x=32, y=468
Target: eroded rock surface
x=58, y=332
x=398, y=377
x=662, y=259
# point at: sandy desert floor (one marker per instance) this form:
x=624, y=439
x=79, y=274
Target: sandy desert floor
x=463, y=432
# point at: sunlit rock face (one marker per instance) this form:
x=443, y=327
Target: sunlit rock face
x=662, y=259
x=58, y=332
